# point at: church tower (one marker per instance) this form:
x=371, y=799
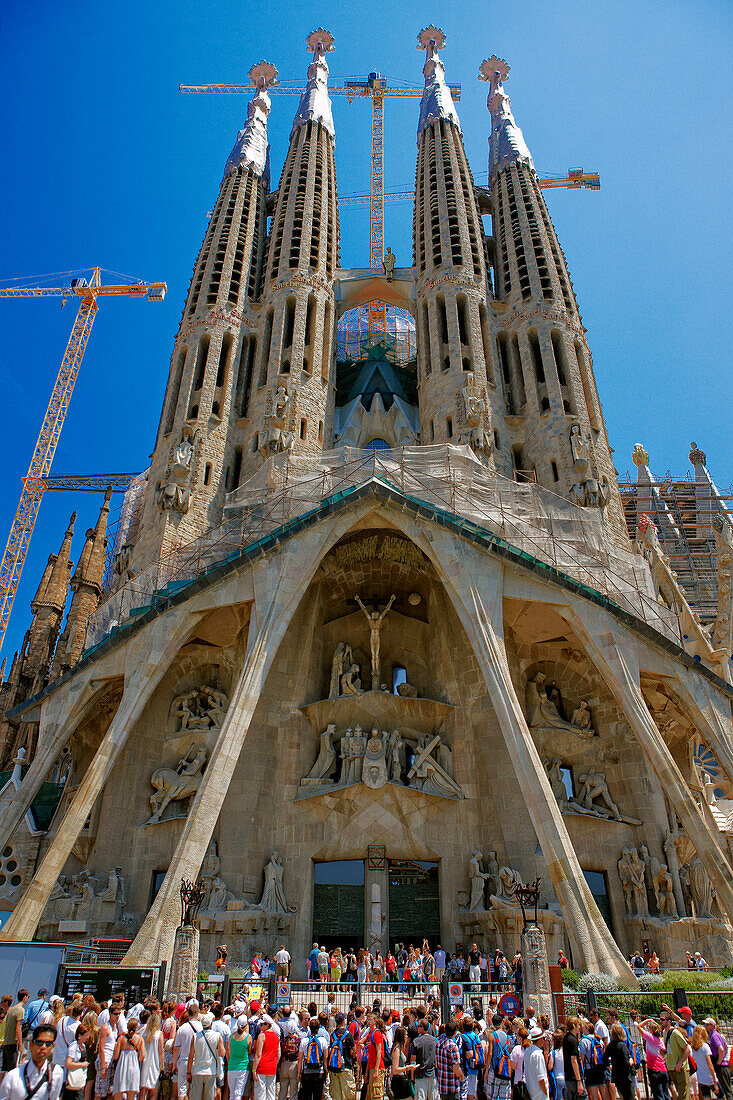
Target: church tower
x=458, y=396
x=197, y=458
x=292, y=398
x=31, y=668
x=558, y=435
x=85, y=587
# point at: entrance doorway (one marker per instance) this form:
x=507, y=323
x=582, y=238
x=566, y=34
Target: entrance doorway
x=338, y=904
x=414, y=902
x=598, y=883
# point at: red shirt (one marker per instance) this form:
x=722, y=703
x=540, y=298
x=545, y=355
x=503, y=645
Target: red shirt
x=267, y=1066
x=375, y=1049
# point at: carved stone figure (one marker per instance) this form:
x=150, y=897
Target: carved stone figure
x=581, y=718
x=358, y=748
x=407, y=691
x=478, y=881
x=325, y=765
x=277, y=435
x=542, y=713
x=201, y=709
x=580, y=449
x=219, y=895
x=115, y=888
x=427, y=774
x=593, y=786
x=508, y=881
x=273, y=894
x=173, y=784
x=374, y=621
x=473, y=413
x=388, y=264
x=635, y=891
x=351, y=680
x=445, y=758
x=554, y=774
x=700, y=887
x=374, y=773
x=342, y=659
x=591, y=493
x=664, y=893
x=174, y=491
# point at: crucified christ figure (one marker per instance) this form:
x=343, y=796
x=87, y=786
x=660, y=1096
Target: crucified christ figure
x=374, y=619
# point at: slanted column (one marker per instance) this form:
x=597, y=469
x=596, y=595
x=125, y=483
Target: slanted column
x=477, y=599
x=611, y=655
x=147, y=662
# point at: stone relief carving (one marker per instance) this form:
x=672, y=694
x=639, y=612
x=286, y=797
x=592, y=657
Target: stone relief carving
x=631, y=870
x=587, y=491
x=700, y=887
x=478, y=879
x=380, y=758
x=505, y=896
x=84, y=900
x=174, y=491
x=200, y=709
x=173, y=784
x=664, y=892
x=273, y=894
x=543, y=711
x=473, y=416
x=374, y=622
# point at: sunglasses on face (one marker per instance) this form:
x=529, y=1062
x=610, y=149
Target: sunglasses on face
x=43, y=1042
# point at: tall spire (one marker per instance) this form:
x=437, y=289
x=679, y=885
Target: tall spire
x=90, y=567
x=506, y=144
x=315, y=102
x=251, y=147
x=437, y=101
x=57, y=587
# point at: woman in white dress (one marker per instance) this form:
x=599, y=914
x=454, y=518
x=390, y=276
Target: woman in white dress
x=152, y=1037
x=129, y=1052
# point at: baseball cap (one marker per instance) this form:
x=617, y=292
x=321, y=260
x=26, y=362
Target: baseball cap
x=193, y=1003
x=685, y=1011
x=255, y=1006
x=536, y=1033
x=268, y=1020
x=242, y=1020
x=709, y=1020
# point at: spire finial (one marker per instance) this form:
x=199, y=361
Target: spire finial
x=506, y=144
x=250, y=148
x=437, y=101
x=697, y=457
x=315, y=103
x=640, y=456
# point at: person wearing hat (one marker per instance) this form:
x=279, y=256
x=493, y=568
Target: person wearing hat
x=719, y=1055
x=204, y=1055
x=535, y=1065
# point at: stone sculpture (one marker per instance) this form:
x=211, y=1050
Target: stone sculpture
x=474, y=410
x=427, y=775
x=219, y=895
x=632, y=874
x=543, y=713
x=277, y=435
x=593, y=786
x=664, y=893
x=173, y=784
x=174, y=491
x=374, y=772
x=342, y=660
x=554, y=774
x=505, y=895
x=587, y=492
x=388, y=264
x=351, y=680
x=374, y=621
x=273, y=894
x=201, y=709
x=701, y=887
x=325, y=765
x=478, y=881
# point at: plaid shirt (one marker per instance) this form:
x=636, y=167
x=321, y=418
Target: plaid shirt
x=447, y=1056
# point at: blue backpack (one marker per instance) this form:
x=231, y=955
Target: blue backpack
x=313, y=1062
x=474, y=1052
x=595, y=1054
x=500, y=1060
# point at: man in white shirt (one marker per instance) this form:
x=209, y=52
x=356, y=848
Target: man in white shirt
x=65, y=1035
x=535, y=1069
x=282, y=964
x=19, y=1083
x=182, y=1046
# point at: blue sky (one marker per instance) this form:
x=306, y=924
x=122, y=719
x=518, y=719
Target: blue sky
x=106, y=163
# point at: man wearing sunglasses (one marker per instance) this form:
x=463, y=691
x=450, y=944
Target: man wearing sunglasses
x=38, y=1079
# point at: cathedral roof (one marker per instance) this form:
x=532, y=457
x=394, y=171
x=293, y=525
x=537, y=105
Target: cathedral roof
x=437, y=101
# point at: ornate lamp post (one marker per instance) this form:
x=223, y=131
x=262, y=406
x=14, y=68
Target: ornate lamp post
x=185, y=961
x=528, y=896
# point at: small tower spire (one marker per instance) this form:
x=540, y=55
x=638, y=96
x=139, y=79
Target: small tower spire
x=315, y=102
x=506, y=144
x=437, y=101
x=251, y=147
x=57, y=588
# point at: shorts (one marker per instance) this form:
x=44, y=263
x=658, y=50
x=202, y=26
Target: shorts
x=471, y=1083
x=706, y=1091
x=498, y=1088
x=182, y=1080
x=323, y=970
x=10, y=1056
x=595, y=1076
x=103, y=1084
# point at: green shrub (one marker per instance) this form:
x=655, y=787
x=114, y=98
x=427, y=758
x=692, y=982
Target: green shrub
x=570, y=978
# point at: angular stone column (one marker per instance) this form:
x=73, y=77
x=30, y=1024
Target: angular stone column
x=148, y=657
x=612, y=655
x=280, y=582
x=536, y=971
x=477, y=599
x=183, y=976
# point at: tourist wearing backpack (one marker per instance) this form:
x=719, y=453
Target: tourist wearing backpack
x=312, y=1063
x=594, y=1069
x=473, y=1056
x=340, y=1061
x=498, y=1069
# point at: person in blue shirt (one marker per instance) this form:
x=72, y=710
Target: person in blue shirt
x=439, y=962
x=35, y=1009
x=313, y=963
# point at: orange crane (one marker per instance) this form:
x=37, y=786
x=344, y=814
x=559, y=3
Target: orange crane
x=374, y=85
x=575, y=178
x=34, y=485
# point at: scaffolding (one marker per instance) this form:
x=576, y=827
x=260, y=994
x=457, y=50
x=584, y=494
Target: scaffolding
x=683, y=510
x=354, y=340
x=526, y=521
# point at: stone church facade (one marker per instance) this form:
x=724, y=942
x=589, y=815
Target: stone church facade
x=359, y=692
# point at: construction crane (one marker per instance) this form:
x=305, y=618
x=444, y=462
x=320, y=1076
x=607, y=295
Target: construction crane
x=90, y=483
x=575, y=178
x=374, y=85
x=34, y=485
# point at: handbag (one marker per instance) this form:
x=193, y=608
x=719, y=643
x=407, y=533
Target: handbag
x=402, y=1087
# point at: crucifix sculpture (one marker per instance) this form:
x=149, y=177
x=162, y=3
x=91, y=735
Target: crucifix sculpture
x=375, y=620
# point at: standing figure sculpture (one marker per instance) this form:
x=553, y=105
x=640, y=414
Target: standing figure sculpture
x=273, y=895
x=374, y=621
x=478, y=879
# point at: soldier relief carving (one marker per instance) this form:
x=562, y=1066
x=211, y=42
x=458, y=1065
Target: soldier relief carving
x=174, y=492
x=278, y=434
x=473, y=416
x=587, y=491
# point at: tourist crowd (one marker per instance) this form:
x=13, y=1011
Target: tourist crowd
x=244, y=1051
